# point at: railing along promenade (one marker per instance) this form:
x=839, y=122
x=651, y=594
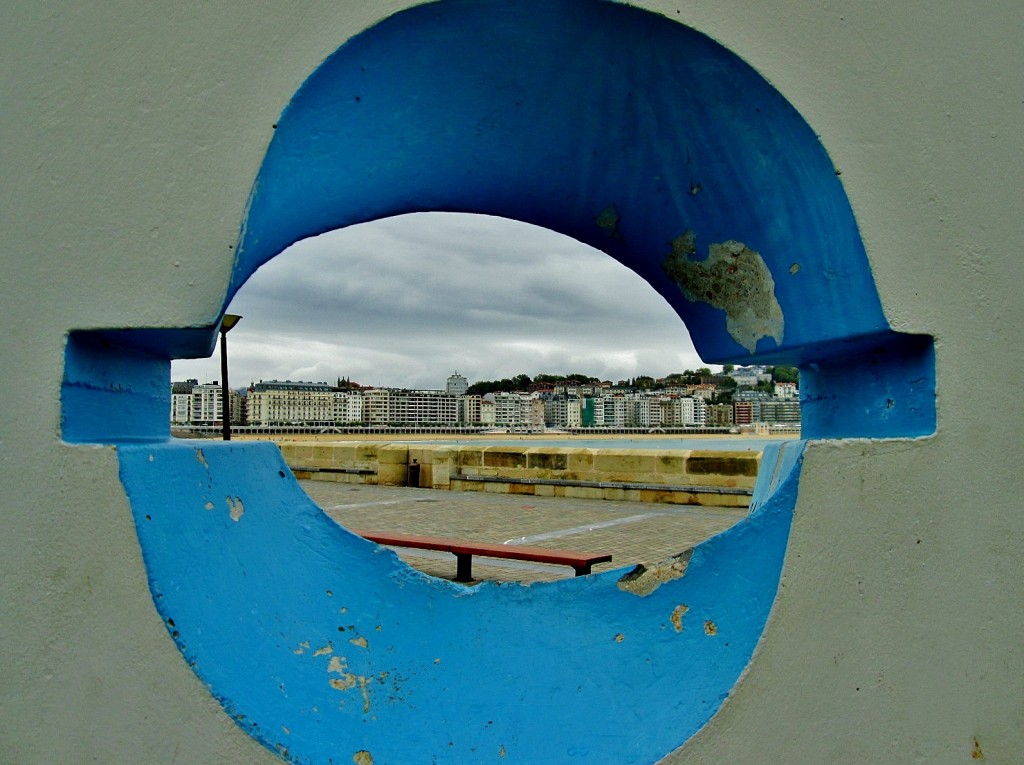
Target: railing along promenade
x=214, y=430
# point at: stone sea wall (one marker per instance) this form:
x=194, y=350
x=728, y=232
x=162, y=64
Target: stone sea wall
x=695, y=477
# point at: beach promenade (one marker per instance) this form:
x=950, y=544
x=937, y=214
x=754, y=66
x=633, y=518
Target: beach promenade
x=633, y=532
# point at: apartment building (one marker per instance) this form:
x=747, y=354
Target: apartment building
x=487, y=414
x=518, y=410
x=206, y=404
x=457, y=385
x=561, y=411
x=679, y=411
x=349, y=407
x=277, y=403
x=719, y=415
x=280, y=403
x=743, y=412
x=181, y=401
x=377, y=405
x=470, y=410
x=786, y=390
x=428, y=407
x=781, y=411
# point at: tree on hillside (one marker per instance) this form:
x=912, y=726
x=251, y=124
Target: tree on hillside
x=785, y=374
x=520, y=382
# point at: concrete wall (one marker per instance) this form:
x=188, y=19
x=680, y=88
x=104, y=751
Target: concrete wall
x=719, y=478
x=131, y=139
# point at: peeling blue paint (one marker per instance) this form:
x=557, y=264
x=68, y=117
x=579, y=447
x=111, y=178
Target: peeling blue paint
x=556, y=113
x=271, y=608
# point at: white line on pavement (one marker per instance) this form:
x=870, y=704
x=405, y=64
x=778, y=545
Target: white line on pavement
x=578, y=529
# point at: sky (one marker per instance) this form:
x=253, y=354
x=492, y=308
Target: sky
x=406, y=301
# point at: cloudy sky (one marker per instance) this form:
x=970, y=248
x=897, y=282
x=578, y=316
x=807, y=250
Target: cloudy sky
x=406, y=301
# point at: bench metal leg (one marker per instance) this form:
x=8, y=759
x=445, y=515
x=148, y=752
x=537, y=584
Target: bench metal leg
x=463, y=567
x=582, y=570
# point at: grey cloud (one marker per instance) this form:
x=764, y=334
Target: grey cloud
x=405, y=301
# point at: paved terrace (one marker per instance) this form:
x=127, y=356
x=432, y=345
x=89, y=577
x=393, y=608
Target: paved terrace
x=633, y=532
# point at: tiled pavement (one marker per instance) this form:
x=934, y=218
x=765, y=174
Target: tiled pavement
x=634, y=532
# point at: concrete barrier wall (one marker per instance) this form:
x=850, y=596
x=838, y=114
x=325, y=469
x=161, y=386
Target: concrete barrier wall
x=719, y=478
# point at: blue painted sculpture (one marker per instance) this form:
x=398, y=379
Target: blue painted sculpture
x=609, y=124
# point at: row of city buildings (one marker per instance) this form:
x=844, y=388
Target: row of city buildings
x=567, y=405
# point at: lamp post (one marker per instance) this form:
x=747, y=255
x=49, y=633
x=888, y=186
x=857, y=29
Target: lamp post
x=229, y=321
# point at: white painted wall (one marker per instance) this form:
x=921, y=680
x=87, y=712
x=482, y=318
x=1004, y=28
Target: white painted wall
x=131, y=136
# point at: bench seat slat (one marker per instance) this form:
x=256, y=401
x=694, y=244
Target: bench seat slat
x=580, y=561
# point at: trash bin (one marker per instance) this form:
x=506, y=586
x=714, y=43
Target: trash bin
x=413, y=476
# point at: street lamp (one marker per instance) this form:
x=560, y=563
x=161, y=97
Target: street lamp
x=229, y=321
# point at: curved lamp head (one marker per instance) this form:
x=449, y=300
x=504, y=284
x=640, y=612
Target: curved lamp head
x=228, y=322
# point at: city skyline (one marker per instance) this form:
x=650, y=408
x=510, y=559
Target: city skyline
x=405, y=301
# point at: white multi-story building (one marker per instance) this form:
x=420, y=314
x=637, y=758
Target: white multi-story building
x=683, y=411
x=642, y=410
x=457, y=385
x=181, y=401
x=291, y=403
x=206, y=404
x=423, y=407
x=385, y=406
x=181, y=408
x=487, y=414
x=786, y=390
x=518, y=410
x=377, y=403
x=349, y=406
x=562, y=411
x=615, y=411
x=508, y=408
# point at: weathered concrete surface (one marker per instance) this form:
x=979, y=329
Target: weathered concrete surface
x=131, y=140
x=633, y=533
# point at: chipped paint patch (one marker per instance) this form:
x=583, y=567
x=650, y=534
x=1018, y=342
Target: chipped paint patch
x=677, y=616
x=209, y=506
x=360, y=641
x=362, y=757
x=201, y=458
x=303, y=647
x=644, y=580
x=608, y=221
x=348, y=680
x=324, y=651
x=733, y=278
x=235, y=508
x=710, y=628
x=619, y=637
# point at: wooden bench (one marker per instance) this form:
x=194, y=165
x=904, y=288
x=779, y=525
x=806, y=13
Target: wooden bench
x=464, y=552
